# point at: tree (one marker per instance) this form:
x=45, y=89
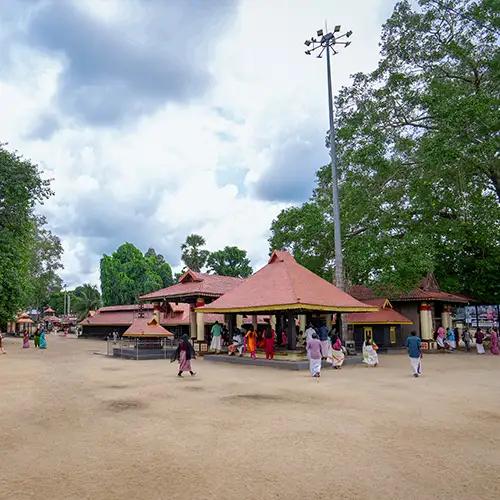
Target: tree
x=418, y=158
x=85, y=298
x=45, y=262
x=231, y=261
x=160, y=266
x=193, y=255
x=21, y=188
x=127, y=274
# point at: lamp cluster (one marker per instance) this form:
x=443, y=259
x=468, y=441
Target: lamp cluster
x=328, y=40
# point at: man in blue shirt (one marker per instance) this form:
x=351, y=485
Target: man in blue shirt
x=413, y=345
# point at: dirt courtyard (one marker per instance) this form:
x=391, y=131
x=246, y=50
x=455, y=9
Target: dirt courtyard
x=74, y=424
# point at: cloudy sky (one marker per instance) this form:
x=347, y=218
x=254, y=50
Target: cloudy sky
x=161, y=118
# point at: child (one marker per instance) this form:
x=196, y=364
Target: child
x=251, y=338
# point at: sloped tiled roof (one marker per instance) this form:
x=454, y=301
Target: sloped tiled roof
x=361, y=292
x=144, y=327
x=123, y=315
x=193, y=284
x=385, y=315
x=283, y=284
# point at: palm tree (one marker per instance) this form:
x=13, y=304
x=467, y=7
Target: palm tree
x=86, y=298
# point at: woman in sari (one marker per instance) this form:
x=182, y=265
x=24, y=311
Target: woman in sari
x=251, y=338
x=184, y=354
x=494, y=342
x=338, y=355
x=370, y=356
x=269, y=338
x=43, y=340
x=26, y=339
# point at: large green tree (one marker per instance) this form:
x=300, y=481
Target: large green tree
x=128, y=273
x=231, y=261
x=419, y=168
x=193, y=253
x=21, y=189
x=45, y=263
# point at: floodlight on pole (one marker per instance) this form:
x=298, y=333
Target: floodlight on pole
x=326, y=44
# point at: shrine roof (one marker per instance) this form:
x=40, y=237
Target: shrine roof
x=193, y=284
x=283, y=284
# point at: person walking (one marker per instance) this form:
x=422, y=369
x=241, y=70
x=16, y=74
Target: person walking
x=2, y=349
x=216, y=331
x=466, y=337
x=324, y=339
x=414, y=348
x=479, y=336
x=184, y=354
x=36, y=337
x=269, y=339
x=315, y=355
x=494, y=342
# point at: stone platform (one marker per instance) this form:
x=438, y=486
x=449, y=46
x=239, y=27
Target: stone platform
x=290, y=362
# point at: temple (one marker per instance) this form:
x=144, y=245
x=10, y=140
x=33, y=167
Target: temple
x=425, y=308
x=285, y=289
x=196, y=290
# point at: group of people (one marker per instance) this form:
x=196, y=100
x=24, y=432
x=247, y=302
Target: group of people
x=323, y=344
x=250, y=340
x=448, y=339
x=39, y=340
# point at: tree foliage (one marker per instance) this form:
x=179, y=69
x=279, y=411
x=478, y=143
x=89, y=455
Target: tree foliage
x=231, y=261
x=85, y=298
x=193, y=255
x=22, y=236
x=128, y=273
x=419, y=167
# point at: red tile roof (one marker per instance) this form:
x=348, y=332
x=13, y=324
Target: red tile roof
x=144, y=327
x=428, y=289
x=193, y=284
x=281, y=285
x=123, y=315
x=386, y=315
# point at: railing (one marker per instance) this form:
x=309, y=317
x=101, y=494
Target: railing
x=137, y=348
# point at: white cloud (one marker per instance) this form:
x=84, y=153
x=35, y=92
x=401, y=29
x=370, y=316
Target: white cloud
x=187, y=166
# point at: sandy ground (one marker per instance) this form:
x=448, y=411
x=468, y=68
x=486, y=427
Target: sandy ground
x=77, y=425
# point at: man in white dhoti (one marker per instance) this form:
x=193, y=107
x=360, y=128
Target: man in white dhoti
x=414, y=347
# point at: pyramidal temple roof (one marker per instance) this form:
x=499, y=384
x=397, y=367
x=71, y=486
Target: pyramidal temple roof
x=283, y=284
x=144, y=327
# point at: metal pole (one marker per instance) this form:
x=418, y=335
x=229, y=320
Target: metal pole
x=339, y=272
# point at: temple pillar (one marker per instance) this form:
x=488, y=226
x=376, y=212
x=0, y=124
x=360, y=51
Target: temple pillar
x=446, y=316
x=192, y=322
x=425, y=321
x=329, y=321
x=200, y=321
x=302, y=323
x=272, y=322
x=291, y=331
x=200, y=327
x=239, y=321
x=254, y=322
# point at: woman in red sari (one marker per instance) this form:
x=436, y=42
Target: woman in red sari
x=269, y=338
